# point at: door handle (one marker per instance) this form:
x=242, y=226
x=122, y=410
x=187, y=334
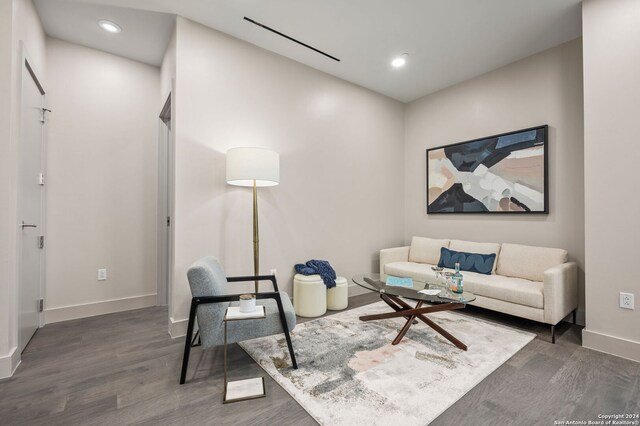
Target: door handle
x=28, y=225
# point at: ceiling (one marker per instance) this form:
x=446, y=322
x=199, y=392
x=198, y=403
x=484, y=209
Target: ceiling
x=448, y=41
x=144, y=35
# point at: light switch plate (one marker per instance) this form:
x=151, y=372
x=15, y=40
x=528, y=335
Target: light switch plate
x=102, y=274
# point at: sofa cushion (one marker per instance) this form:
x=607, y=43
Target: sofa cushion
x=513, y=290
x=508, y=289
x=473, y=247
x=528, y=262
x=417, y=271
x=426, y=250
x=472, y=262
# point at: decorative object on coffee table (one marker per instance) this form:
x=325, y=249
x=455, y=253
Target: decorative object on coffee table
x=458, y=280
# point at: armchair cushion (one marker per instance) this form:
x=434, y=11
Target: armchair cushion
x=238, y=331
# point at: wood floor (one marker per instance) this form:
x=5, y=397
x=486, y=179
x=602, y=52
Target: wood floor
x=122, y=369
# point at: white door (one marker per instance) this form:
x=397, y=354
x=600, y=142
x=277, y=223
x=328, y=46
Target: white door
x=31, y=189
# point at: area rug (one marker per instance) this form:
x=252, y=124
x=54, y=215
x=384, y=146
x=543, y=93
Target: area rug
x=350, y=374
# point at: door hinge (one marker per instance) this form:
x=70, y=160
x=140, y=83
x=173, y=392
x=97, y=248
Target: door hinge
x=41, y=305
x=168, y=220
x=41, y=178
x=41, y=241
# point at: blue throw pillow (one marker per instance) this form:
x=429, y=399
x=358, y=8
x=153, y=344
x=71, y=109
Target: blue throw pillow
x=472, y=262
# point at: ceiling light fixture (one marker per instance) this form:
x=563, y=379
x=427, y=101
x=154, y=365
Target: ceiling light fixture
x=109, y=26
x=400, y=61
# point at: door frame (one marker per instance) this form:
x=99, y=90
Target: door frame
x=28, y=70
x=165, y=202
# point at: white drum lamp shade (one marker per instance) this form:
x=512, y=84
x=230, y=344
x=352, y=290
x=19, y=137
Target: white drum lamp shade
x=246, y=165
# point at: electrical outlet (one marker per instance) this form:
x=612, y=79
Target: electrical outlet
x=626, y=301
x=273, y=272
x=102, y=274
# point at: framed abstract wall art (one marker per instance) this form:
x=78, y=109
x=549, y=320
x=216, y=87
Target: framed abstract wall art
x=505, y=173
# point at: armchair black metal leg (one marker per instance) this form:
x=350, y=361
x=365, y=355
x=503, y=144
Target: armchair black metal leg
x=285, y=327
x=197, y=336
x=553, y=334
x=187, y=343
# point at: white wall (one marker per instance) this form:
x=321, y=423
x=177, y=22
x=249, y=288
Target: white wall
x=542, y=89
x=168, y=67
x=7, y=161
x=101, y=185
x=340, y=196
x=19, y=22
x=612, y=108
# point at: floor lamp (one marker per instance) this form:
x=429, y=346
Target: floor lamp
x=253, y=167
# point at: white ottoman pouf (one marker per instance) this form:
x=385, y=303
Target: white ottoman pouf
x=309, y=295
x=338, y=296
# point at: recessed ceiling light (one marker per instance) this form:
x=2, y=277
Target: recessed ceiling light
x=400, y=61
x=109, y=26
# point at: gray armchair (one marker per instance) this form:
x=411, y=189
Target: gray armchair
x=210, y=301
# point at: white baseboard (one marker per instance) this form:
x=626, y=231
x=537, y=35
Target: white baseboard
x=617, y=346
x=9, y=363
x=177, y=328
x=65, y=313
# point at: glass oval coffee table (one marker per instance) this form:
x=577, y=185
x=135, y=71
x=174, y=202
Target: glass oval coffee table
x=444, y=300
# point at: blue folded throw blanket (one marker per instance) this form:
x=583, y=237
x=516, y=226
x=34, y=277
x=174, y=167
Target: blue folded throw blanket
x=319, y=267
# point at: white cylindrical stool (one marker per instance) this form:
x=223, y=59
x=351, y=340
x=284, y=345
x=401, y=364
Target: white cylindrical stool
x=338, y=296
x=309, y=295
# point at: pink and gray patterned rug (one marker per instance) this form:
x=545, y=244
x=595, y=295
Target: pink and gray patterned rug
x=350, y=374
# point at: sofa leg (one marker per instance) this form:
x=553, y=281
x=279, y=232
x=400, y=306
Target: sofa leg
x=553, y=334
x=574, y=316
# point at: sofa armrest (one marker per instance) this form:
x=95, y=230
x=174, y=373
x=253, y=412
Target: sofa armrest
x=396, y=254
x=560, y=292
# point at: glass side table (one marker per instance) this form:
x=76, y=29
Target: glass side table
x=241, y=390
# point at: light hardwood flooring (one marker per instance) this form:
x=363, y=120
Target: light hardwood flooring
x=123, y=368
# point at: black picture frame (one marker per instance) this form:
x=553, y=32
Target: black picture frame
x=545, y=210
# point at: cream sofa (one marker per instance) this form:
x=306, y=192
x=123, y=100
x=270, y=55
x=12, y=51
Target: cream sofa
x=530, y=282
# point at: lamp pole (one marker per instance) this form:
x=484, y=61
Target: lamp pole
x=256, y=242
